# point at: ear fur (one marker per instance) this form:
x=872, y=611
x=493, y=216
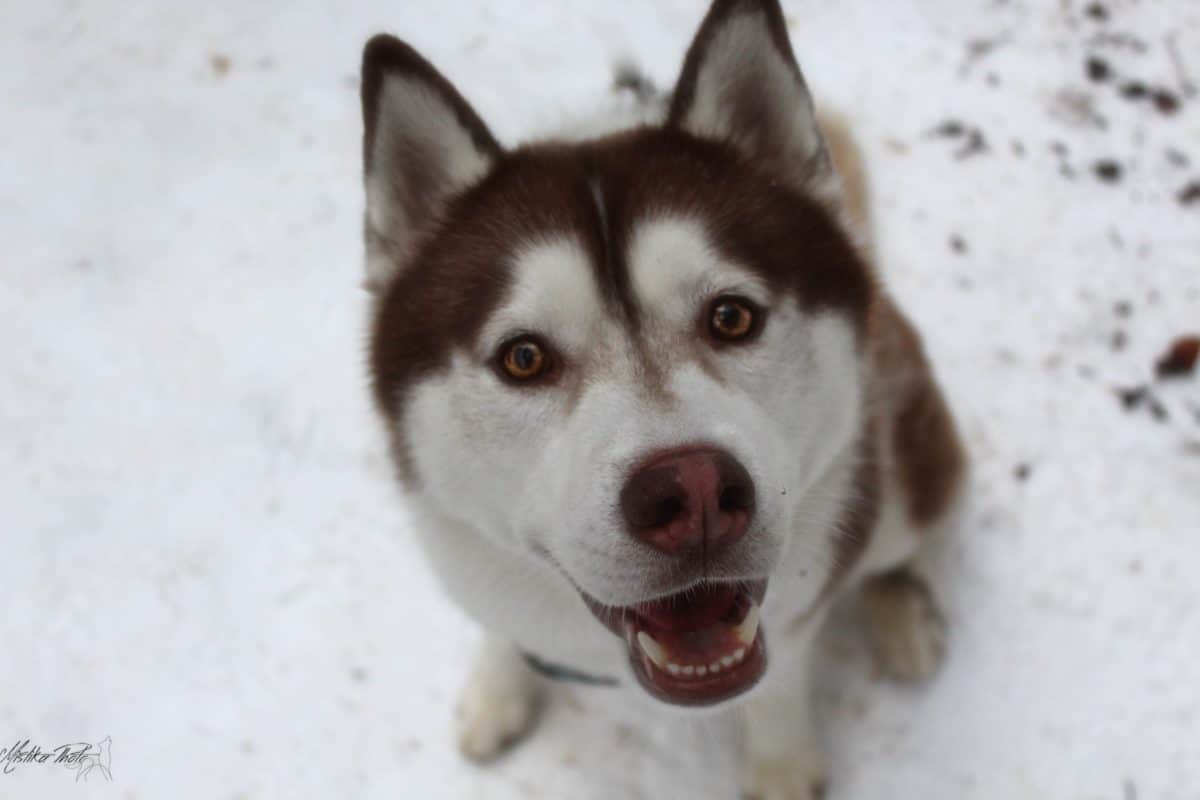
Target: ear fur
x=422, y=144
x=741, y=84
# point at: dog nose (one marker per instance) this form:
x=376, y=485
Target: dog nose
x=687, y=500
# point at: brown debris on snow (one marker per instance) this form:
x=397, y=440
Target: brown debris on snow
x=1180, y=359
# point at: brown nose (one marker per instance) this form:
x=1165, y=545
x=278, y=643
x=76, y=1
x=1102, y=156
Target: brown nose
x=688, y=500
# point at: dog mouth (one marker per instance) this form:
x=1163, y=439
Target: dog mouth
x=698, y=647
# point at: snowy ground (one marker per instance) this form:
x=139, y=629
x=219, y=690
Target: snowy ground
x=203, y=556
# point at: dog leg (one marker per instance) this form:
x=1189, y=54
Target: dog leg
x=784, y=759
x=906, y=629
x=499, y=702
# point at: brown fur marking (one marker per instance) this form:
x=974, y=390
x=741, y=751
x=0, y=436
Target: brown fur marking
x=927, y=455
x=848, y=161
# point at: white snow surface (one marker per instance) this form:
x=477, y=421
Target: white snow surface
x=205, y=557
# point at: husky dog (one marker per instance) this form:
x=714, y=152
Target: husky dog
x=648, y=401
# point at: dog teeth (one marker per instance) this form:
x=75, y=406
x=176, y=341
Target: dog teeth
x=652, y=649
x=723, y=663
x=748, y=629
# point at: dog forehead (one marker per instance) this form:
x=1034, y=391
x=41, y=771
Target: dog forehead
x=552, y=291
x=674, y=265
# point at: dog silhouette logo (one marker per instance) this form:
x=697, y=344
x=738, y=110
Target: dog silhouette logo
x=99, y=759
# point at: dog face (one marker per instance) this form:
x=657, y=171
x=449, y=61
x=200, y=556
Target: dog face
x=631, y=357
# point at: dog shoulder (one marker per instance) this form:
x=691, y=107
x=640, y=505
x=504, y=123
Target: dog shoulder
x=926, y=455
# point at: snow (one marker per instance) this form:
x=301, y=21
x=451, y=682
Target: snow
x=204, y=556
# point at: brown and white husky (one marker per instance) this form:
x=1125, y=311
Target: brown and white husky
x=647, y=397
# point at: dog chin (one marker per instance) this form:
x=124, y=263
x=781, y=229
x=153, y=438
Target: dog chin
x=697, y=648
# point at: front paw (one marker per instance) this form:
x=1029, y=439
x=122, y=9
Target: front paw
x=498, y=707
x=907, y=630
x=796, y=776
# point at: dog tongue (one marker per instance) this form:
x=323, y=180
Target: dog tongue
x=691, y=611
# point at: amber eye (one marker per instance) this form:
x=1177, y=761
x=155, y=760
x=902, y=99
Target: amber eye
x=524, y=360
x=732, y=319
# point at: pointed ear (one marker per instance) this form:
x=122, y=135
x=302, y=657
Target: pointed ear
x=422, y=144
x=741, y=84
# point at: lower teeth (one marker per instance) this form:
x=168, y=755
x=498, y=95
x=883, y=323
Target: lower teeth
x=724, y=663
x=746, y=632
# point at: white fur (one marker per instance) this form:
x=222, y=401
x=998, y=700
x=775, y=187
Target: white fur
x=675, y=270
x=784, y=755
x=552, y=294
x=499, y=703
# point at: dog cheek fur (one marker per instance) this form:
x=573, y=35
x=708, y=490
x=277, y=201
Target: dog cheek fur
x=807, y=386
x=478, y=451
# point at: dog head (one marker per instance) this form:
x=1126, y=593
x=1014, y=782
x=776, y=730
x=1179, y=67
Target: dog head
x=632, y=357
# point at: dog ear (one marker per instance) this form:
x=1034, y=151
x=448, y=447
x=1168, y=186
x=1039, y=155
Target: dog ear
x=741, y=84
x=422, y=144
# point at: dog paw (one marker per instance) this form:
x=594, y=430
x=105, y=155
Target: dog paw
x=906, y=628
x=797, y=776
x=497, y=708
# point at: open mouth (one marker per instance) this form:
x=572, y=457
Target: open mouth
x=695, y=648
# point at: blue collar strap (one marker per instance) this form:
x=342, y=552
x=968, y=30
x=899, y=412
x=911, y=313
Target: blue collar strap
x=557, y=672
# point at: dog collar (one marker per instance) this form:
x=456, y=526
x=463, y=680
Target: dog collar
x=558, y=672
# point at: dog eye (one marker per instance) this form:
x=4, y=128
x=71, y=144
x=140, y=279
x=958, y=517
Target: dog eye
x=732, y=319
x=524, y=359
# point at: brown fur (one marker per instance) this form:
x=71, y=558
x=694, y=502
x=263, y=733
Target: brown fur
x=927, y=456
x=924, y=449
x=848, y=161
x=906, y=629
x=910, y=436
